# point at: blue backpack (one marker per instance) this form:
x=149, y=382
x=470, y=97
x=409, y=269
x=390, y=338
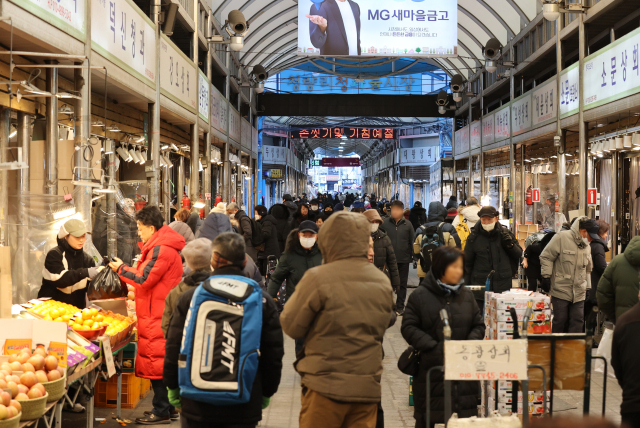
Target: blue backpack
x=221, y=341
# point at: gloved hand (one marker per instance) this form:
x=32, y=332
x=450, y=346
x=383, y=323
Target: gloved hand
x=93, y=271
x=265, y=402
x=174, y=398
x=506, y=238
x=545, y=284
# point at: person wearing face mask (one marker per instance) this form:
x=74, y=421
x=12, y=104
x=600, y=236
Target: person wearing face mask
x=67, y=268
x=314, y=209
x=300, y=254
x=270, y=246
x=385, y=257
x=566, y=268
x=491, y=247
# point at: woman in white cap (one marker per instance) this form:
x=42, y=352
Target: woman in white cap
x=67, y=268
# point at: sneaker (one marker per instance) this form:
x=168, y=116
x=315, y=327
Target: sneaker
x=76, y=408
x=152, y=419
x=174, y=416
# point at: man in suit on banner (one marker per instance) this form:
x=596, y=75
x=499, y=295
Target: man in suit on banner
x=334, y=27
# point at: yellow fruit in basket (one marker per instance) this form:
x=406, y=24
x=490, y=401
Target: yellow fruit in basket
x=93, y=311
x=71, y=324
x=54, y=313
x=66, y=318
x=48, y=318
x=86, y=314
x=88, y=322
x=96, y=326
x=99, y=318
x=59, y=319
x=77, y=326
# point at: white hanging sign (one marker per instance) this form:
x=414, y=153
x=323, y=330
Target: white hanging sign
x=203, y=98
x=418, y=155
x=488, y=135
x=121, y=33
x=544, y=101
x=178, y=76
x=67, y=15
x=569, y=91
x=274, y=155
x=485, y=360
x=501, y=124
x=474, y=139
x=462, y=140
x=521, y=114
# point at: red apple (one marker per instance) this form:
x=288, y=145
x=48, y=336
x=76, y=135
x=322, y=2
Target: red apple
x=35, y=393
x=22, y=389
x=4, y=414
x=37, y=361
x=42, y=376
x=22, y=397
x=23, y=357
x=13, y=387
x=26, y=367
x=53, y=375
x=41, y=352
x=50, y=363
x=6, y=367
x=5, y=398
x=17, y=405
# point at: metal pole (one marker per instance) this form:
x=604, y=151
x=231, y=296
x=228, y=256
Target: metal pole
x=453, y=155
x=5, y=130
x=562, y=178
x=24, y=142
x=471, y=190
x=534, y=184
x=194, y=182
x=180, y=180
x=614, y=203
x=112, y=232
x=483, y=184
x=206, y=174
x=582, y=129
x=512, y=152
x=166, y=194
x=226, y=175
x=590, y=183
x=523, y=187
x=154, y=116
x=51, y=143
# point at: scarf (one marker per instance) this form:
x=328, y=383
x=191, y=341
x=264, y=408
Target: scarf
x=448, y=289
x=217, y=262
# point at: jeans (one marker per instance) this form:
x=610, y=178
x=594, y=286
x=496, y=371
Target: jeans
x=403, y=270
x=567, y=317
x=161, y=405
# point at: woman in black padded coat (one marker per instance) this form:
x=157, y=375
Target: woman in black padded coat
x=442, y=288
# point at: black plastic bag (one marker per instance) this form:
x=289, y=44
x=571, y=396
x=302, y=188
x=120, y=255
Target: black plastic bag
x=106, y=285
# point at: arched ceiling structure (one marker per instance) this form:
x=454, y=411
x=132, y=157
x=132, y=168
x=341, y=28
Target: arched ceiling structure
x=272, y=39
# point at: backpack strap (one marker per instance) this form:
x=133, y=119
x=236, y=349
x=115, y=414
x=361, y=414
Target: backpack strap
x=440, y=234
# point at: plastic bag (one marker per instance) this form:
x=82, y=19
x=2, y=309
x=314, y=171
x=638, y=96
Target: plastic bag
x=106, y=285
x=604, y=350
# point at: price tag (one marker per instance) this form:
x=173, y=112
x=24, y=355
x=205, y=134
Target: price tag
x=485, y=359
x=108, y=355
x=207, y=196
x=14, y=346
x=59, y=350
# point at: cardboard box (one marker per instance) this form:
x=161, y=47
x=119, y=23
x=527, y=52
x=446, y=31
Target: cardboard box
x=505, y=315
x=505, y=409
x=535, y=397
x=508, y=301
x=533, y=327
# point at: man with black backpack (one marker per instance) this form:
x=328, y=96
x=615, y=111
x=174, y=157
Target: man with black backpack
x=491, y=247
x=250, y=230
x=224, y=345
x=431, y=235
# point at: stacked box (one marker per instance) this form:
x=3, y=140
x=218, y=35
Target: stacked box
x=499, y=322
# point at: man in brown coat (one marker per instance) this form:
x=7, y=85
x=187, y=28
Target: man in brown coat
x=342, y=309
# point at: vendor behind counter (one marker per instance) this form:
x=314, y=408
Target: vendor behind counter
x=67, y=268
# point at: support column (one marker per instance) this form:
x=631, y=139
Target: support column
x=512, y=154
x=453, y=155
x=194, y=179
x=591, y=183
x=5, y=130
x=562, y=174
x=523, y=187
x=614, y=203
x=51, y=142
x=206, y=174
x=226, y=175
x=534, y=184
x=82, y=111
x=471, y=190
x=24, y=142
x=153, y=178
x=112, y=233
x=483, y=184
x=582, y=128
x=165, y=174
x=180, y=182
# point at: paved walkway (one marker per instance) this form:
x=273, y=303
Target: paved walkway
x=285, y=405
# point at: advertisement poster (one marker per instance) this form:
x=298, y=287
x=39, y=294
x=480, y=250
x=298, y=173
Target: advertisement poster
x=403, y=28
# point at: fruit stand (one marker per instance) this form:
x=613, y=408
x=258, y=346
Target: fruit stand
x=81, y=344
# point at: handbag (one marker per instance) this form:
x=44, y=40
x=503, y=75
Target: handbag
x=409, y=361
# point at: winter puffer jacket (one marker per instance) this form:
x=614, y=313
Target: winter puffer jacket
x=65, y=275
x=453, y=202
x=270, y=235
x=246, y=232
x=183, y=229
x=486, y=251
x=281, y=213
x=418, y=216
x=385, y=257
x=342, y=310
x=291, y=206
x=293, y=264
x=618, y=286
x=189, y=281
x=267, y=378
x=532, y=254
x=157, y=272
x=422, y=329
x=214, y=225
x=437, y=215
x=401, y=236
x=598, y=257
x=567, y=261
x=470, y=214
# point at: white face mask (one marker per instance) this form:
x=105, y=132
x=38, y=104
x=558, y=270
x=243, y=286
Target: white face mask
x=307, y=242
x=488, y=227
x=586, y=241
x=374, y=227
x=258, y=217
x=314, y=207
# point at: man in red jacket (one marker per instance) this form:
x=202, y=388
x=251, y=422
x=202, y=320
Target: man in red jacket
x=157, y=272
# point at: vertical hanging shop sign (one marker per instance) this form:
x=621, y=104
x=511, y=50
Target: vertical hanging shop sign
x=235, y=128
x=544, y=103
x=218, y=110
x=592, y=197
x=474, y=139
x=488, y=135
x=124, y=35
x=569, y=91
x=462, y=140
x=67, y=15
x=203, y=96
x=521, y=114
x=501, y=124
x=178, y=76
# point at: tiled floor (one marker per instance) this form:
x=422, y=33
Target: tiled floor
x=285, y=405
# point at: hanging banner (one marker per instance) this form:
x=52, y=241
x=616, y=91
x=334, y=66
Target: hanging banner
x=613, y=72
x=569, y=91
x=124, y=35
x=67, y=15
x=235, y=128
x=501, y=123
x=254, y=140
x=474, y=138
x=178, y=76
x=274, y=155
x=521, y=114
x=218, y=110
x=488, y=135
x=462, y=140
x=418, y=155
x=203, y=98
x=544, y=102
x=245, y=133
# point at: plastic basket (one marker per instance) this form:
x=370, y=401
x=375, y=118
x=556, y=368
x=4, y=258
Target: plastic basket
x=107, y=392
x=14, y=422
x=34, y=409
x=55, y=389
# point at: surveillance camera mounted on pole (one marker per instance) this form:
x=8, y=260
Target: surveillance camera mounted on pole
x=260, y=73
x=237, y=27
x=492, y=51
x=457, y=86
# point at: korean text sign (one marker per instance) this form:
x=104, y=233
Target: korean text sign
x=418, y=155
x=67, y=15
x=124, y=35
x=178, y=76
x=349, y=133
x=485, y=359
x=378, y=27
x=296, y=82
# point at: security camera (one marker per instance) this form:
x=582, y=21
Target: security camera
x=260, y=73
x=237, y=27
x=551, y=11
x=492, y=51
x=259, y=87
x=457, y=84
x=442, y=99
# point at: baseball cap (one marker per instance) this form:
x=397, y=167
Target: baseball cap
x=591, y=227
x=308, y=226
x=488, y=211
x=75, y=227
